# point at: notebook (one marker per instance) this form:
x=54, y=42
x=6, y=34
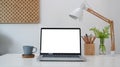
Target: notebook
x=60, y=44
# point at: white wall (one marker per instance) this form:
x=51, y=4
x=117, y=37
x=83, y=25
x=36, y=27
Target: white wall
x=54, y=13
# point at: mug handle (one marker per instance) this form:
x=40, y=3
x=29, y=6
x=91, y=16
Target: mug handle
x=35, y=50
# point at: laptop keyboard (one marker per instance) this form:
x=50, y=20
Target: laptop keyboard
x=61, y=56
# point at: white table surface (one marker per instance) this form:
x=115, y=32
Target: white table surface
x=16, y=60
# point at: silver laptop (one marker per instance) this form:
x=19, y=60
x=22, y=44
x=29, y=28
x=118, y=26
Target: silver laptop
x=60, y=44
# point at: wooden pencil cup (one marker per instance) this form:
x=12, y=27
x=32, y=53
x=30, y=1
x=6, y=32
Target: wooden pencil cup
x=89, y=49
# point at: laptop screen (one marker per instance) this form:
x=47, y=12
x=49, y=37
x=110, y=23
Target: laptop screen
x=60, y=41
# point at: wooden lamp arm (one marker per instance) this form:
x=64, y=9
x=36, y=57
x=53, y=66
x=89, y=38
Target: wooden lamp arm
x=112, y=36
x=111, y=26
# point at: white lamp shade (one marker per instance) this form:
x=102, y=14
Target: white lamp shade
x=77, y=13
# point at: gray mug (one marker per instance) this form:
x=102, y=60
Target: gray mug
x=29, y=49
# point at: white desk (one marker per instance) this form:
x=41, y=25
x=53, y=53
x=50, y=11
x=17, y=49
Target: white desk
x=16, y=60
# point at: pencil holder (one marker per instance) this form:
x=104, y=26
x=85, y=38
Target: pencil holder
x=89, y=49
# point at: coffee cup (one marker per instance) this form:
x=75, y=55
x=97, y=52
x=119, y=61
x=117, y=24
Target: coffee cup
x=29, y=50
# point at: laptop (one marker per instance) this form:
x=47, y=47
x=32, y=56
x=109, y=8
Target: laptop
x=60, y=44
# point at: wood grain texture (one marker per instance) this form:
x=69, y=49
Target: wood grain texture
x=19, y=11
x=89, y=49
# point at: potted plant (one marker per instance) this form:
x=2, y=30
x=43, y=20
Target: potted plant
x=101, y=35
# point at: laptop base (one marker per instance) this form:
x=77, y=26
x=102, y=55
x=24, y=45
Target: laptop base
x=64, y=59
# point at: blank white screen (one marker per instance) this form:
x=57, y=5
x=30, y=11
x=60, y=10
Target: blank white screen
x=60, y=41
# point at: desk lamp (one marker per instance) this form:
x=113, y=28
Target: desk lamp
x=78, y=13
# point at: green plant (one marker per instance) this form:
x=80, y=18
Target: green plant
x=101, y=34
